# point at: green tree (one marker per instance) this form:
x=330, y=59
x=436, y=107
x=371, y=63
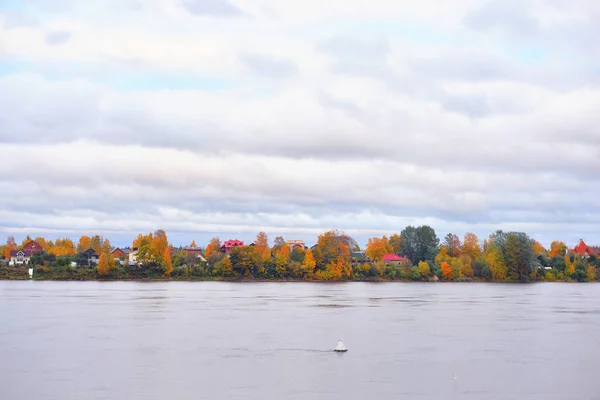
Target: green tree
x=245, y=260
x=419, y=244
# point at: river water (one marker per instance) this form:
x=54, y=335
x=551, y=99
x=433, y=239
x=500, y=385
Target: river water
x=215, y=340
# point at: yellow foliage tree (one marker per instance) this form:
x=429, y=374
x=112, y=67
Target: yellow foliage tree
x=470, y=246
x=442, y=255
x=424, y=269
x=62, y=247
x=590, y=273
x=193, y=244
x=569, y=266
x=377, y=248
x=538, y=249
x=309, y=262
x=495, y=261
x=42, y=242
x=103, y=266
x=284, y=253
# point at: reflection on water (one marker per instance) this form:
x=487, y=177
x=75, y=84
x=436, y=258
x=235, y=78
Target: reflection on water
x=211, y=340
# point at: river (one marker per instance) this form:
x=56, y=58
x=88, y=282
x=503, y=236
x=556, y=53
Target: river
x=267, y=341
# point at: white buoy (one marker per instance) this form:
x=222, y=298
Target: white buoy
x=340, y=348
x=30, y=273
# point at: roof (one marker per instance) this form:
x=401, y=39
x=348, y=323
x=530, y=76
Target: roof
x=233, y=242
x=393, y=257
x=583, y=249
x=26, y=252
x=126, y=250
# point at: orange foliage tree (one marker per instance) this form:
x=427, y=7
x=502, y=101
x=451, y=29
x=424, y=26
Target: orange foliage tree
x=84, y=244
x=447, y=271
x=103, y=266
x=377, y=248
x=62, y=247
x=10, y=245
x=470, y=246
x=262, y=246
x=557, y=248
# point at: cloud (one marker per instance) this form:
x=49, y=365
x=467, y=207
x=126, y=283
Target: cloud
x=57, y=38
x=268, y=67
x=467, y=116
x=510, y=15
x=215, y=8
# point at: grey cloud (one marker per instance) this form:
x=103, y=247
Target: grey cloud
x=215, y=8
x=269, y=67
x=57, y=38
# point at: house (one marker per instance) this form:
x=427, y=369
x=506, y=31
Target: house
x=230, y=244
x=584, y=250
x=23, y=256
x=194, y=252
x=133, y=256
x=296, y=244
x=93, y=257
x=121, y=254
x=393, y=259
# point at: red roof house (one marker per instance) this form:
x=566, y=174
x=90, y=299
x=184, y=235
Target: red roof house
x=24, y=255
x=230, y=244
x=584, y=250
x=393, y=258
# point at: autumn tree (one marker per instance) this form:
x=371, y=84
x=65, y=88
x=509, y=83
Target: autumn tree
x=213, y=247
x=244, y=260
x=26, y=240
x=309, y=262
x=96, y=243
x=557, y=248
x=84, y=244
x=471, y=247
x=42, y=242
x=193, y=244
x=423, y=268
x=396, y=243
x=103, y=266
x=331, y=245
x=11, y=245
x=447, y=272
x=62, y=247
x=495, y=261
x=538, y=249
x=166, y=262
x=452, y=244
x=377, y=248
x=262, y=246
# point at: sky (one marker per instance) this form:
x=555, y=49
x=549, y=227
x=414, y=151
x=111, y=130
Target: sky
x=228, y=117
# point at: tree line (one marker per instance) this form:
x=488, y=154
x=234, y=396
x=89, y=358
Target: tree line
x=502, y=256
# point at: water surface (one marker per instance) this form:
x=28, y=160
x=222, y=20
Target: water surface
x=215, y=340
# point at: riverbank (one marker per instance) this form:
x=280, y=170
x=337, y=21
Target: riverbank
x=91, y=274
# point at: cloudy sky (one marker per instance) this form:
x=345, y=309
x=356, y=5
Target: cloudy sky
x=227, y=117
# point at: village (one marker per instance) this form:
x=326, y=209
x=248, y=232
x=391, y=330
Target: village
x=335, y=256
